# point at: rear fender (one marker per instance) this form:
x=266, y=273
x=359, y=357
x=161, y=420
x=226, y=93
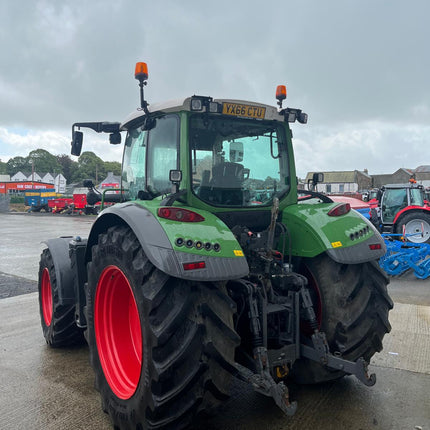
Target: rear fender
x=59, y=249
x=408, y=210
x=158, y=248
x=346, y=238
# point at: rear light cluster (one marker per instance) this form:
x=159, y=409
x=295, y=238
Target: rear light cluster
x=179, y=214
x=359, y=233
x=194, y=266
x=198, y=244
x=375, y=246
x=340, y=209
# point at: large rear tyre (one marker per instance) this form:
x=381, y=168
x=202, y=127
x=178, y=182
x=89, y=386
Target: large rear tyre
x=417, y=227
x=162, y=348
x=352, y=305
x=58, y=321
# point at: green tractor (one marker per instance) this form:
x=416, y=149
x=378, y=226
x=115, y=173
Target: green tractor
x=209, y=268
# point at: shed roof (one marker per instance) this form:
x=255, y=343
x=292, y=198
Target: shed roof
x=423, y=169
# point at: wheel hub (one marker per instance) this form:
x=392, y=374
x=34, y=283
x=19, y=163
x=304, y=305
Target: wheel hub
x=417, y=231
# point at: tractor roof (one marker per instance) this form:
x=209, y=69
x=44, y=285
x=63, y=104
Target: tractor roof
x=408, y=185
x=271, y=112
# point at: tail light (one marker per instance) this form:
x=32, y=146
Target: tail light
x=194, y=266
x=375, y=246
x=179, y=214
x=340, y=209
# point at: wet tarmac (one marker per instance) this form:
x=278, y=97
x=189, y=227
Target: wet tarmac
x=45, y=388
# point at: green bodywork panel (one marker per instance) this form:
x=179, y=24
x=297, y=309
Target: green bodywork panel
x=312, y=231
x=211, y=230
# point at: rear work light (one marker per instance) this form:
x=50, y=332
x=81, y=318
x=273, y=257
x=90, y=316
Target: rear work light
x=340, y=209
x=179, y=214
x=194, y=266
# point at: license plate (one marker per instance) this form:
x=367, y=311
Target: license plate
x=245, y=111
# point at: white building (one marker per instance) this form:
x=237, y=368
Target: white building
x=47, y=178
x=19, y=177
x=58, y=180
x=60, y=183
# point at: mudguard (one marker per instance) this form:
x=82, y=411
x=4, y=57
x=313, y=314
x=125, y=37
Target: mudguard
x=409, y=209
x=59, y=249
x=163, y=254
x=347, y=239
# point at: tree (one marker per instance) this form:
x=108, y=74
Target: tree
x=113, y=166
x=44, y=161
x=16, y=164
x=3, y=168
x=68, y=166
x=89, y=167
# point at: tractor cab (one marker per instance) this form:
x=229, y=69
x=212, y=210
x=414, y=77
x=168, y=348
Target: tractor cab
x=397, y=197
x=227, y=159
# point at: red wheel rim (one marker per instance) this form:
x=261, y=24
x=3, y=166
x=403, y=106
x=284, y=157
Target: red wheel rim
x=46, y=297
x=118, y=332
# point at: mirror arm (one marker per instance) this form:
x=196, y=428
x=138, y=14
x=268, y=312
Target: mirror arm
x=99, y=127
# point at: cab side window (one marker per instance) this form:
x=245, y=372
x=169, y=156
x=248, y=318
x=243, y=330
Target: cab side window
x=162, y=153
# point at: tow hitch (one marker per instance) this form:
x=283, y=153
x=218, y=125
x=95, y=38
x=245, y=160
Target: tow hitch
x=261, y=378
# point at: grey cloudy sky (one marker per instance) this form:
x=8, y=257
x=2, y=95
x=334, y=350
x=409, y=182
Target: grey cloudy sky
x=360, y=69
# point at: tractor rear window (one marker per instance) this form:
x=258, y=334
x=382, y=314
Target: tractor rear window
x=238, y=162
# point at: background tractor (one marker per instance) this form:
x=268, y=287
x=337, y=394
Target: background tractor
x=207, y=268
x=402, y=209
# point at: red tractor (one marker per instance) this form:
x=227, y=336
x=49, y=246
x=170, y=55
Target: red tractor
x=402, y=209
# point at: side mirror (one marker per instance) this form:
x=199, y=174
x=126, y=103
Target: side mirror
x=317, y=177
x=77, y=140
x=115, y=138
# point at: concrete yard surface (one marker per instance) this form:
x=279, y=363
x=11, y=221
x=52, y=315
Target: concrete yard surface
x=46, y=388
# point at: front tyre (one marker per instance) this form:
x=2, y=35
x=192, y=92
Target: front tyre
x=352, y=305
x=57, y=320
x=162, y=348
